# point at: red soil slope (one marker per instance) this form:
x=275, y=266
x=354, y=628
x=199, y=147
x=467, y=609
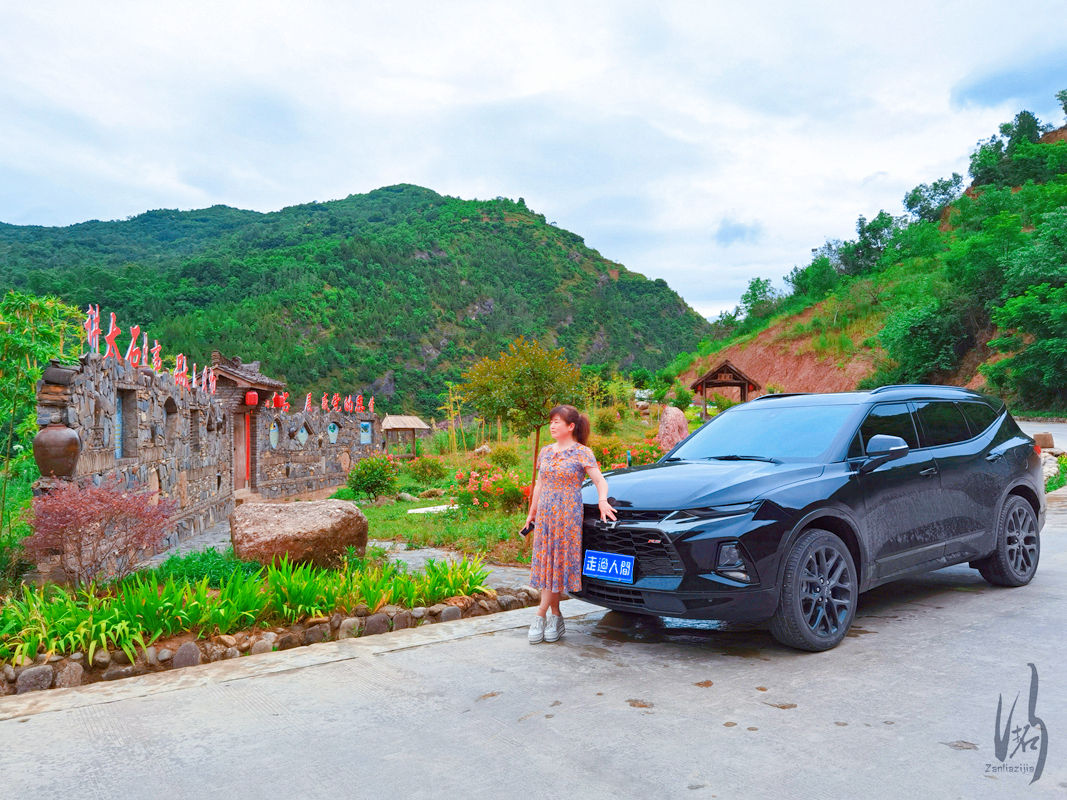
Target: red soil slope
x=771, y=358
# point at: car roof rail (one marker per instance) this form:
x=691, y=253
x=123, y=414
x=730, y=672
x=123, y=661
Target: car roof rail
x=778, y=394
x=939, y=386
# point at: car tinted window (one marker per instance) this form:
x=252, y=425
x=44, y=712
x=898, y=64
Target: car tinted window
x=979, y=416
x=942, y=423
x=855, y=449
x=786, y=432
x=891, y=419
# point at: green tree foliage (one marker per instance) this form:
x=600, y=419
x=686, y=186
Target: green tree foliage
x=926, y=201
x=862, y=255
x=760, y=298
x=33, y=331
x=522, y=385
x=1038, y=372
x=816, y=280
x=994, y=160
x=1061, y=96
x=395, y=292
x=922, y=340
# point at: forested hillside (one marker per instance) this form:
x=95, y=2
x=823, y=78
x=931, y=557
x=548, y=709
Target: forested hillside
x=967, y=286
x=396, y=291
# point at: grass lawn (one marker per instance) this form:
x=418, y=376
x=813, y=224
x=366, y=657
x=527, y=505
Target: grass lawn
x=492, y=533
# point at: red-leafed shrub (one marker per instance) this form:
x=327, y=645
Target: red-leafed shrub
x=97, y=531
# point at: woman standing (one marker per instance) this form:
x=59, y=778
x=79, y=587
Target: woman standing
x=556, y=505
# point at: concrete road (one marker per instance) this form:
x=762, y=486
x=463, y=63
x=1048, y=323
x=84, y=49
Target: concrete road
x=904, y=708
x=1057, y=429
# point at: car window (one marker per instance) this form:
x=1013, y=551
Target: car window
x=942, y=423
x=891, y=419
x=769, y=430
x=855, y=449
x=979, y=416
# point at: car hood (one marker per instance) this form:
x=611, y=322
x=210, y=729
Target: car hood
x=696, y=484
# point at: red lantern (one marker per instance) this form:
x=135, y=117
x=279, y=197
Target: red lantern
x=251, y=398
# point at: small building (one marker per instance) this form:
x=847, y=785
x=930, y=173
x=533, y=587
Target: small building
x=397, y=428
x=725, y=374
x=236, y=380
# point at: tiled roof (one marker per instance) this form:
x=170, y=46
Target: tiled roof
x=248, y=373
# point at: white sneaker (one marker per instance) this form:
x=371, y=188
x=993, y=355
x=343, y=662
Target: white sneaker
x=554, y=627
x=537, y=630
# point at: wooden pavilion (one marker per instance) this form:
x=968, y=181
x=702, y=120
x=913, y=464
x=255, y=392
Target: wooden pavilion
x=397, y=428
x=726, y=374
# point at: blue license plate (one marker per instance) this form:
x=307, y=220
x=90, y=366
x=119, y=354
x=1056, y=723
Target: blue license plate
x=608, y=566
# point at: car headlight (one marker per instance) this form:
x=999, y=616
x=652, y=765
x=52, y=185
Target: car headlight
x=711, y=512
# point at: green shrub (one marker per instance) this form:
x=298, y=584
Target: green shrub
x=682, y=397
x=343, y=493
x=1059, y=480
x=427, y=469
x=722, y=402
x=605, y=421
x=504, y=456
x=374, y=476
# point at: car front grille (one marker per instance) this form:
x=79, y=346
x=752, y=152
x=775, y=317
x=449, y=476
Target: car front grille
x=652, y=551
x=612, y=594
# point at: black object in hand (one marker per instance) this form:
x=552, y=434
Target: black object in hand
x=529, y=527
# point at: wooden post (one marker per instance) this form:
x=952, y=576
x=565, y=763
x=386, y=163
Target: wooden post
x=705, y=387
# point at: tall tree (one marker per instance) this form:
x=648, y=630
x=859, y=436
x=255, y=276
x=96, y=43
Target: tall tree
x=522, y=385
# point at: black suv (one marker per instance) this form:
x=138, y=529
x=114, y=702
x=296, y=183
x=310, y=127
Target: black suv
x=787, y=507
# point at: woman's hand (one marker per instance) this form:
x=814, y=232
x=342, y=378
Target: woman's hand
x=606, y=511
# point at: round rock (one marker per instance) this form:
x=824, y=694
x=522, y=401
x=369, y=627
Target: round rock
x=188, y=655
x=33, y=679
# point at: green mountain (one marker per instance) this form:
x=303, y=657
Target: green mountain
x=394, y=292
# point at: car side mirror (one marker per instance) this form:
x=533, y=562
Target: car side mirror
x=881, y=449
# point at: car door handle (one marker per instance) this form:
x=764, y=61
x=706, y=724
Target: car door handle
x=928, y=471
x=994, y=457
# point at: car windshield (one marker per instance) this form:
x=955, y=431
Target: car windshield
x=768, y=432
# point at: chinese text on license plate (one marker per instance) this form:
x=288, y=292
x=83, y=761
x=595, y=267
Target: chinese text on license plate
x=608, y=566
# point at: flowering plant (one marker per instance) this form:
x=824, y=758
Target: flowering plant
x=485, y=487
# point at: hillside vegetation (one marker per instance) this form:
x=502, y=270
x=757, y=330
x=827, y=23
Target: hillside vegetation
x=394, y=292
x=966, y=286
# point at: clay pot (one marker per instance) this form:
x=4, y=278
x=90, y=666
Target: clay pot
x=56, y=449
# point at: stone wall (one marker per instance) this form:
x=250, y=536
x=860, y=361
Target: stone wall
x=139, y=426
x=296, y=453
x=174, y=440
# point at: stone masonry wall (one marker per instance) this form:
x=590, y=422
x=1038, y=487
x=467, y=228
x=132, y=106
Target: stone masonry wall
x=179, y=441
x=161, y=450
x=305, y=451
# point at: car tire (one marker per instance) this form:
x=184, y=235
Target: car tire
x=1014, y=562
x=819, y=575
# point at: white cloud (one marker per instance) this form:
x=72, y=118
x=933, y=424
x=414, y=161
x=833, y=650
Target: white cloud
x=644, y=128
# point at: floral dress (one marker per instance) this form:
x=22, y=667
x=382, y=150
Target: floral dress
x=557, y=548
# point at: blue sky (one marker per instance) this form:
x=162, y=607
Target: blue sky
x=697, y=142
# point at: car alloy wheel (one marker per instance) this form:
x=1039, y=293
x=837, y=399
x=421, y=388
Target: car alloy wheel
x=818, y=594
x=1014, y=562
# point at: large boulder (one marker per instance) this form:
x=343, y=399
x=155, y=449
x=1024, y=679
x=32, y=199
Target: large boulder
x=673, y=427
x=316, y=532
